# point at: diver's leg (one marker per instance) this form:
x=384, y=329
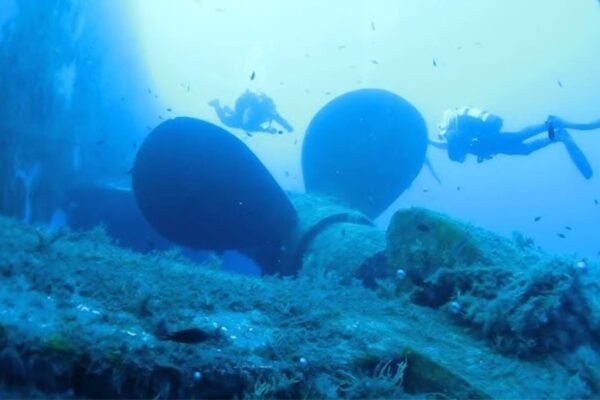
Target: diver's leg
x=583, y=127
x=225, y=115
x=525, y=148
x=531, y=131
x=561, y=123
x=525, y=133
x=575, y=153
x=227, y=111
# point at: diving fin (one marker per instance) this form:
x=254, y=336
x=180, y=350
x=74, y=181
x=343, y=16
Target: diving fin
x=576, y=155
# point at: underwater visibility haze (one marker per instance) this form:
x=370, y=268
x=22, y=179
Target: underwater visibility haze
x=300, y=199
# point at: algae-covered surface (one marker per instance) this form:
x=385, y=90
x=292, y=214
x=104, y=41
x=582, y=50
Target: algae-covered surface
x=523, y=301
x=81, y=317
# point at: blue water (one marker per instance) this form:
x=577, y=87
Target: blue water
x=151, y=65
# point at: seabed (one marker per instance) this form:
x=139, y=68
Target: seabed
x=82, y=318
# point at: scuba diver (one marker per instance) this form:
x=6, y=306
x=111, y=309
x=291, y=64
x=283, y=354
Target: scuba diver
x=473, y=131
x=253, y=112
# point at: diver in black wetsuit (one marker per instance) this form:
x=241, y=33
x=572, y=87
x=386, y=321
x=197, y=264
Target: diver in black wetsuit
x=472, y=131
x=253, y=112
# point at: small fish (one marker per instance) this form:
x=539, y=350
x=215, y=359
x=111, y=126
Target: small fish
x=188, y=336
x=559, y=83
x=425, y=190
x=568, y=228
x=373, y=26
x=343, y=232
x=458, y=188
x=253, y=75
x=561, y=235
x=341, y=47
x=374, y=62
x=596, y=201
x=327, y=93
x=100, y=142
x=169, y=109
x=536, y=219
x=434, y=62
x=423, y=227
x=149, y=91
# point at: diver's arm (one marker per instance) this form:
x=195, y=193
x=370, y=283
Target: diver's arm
x=438, y=145
x=281, y=121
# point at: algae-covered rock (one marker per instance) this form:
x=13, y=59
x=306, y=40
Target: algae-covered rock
x=548, y=307
x=426, y=240
x=434, y=249
x=522, y=300
x=425, y=373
